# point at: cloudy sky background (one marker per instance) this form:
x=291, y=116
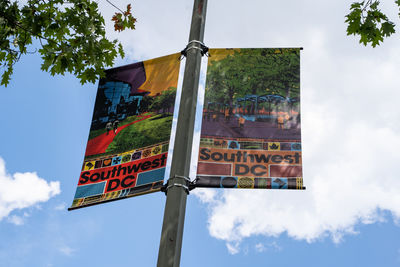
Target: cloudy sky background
x=350, y=135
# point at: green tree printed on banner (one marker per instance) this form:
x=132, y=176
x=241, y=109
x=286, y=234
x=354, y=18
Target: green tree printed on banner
x=164, y=102
x=253, y=72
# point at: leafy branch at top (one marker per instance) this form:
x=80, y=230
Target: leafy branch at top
x=71, y=35
x=367, y=21
x=124, y=20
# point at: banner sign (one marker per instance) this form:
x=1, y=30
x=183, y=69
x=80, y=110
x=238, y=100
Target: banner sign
x=251, y=135
x=126, y=153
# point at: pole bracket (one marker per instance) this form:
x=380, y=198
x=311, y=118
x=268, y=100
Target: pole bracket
x=194, y=44
x=187, y=186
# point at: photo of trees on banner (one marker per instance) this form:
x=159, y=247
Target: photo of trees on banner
x=251, y=134
x=126, y=153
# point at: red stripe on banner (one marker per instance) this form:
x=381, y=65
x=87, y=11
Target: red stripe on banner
x=214, y=169
x=285, y=171
x=122, y=171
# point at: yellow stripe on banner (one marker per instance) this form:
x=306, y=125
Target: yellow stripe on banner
x=299, y=182
x=274, y=146
x=156, y=150
x=161, y=74
x=89, y=165
x=218, y=54
x=77, y=202
x=93, y=199
x=245, y=182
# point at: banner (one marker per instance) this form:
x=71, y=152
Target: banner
x=126, y=153
x=251, y=135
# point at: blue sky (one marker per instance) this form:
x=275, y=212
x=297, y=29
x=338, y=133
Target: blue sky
x=348, y=216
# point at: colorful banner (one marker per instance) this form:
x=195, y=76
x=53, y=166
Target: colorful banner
x=127, y=150
x=251, y=135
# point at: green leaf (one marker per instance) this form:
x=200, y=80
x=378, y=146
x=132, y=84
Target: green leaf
x=387, y=28
x=72, y=37
x=121, y=50
x=369, y=23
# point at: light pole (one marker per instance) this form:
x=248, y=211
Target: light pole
x=177, y=187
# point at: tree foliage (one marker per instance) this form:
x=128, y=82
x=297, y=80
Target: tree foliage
x=164, y=101
x=71, y=36
x=253, y=72
x=368, y=22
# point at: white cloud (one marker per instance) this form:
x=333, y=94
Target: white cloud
x=159, y=31
x=233, y=248
x=350, y=115
x=61, y=207
x=260, y=247
x=205, y=195
x=350, y=143
x=15, y=219
x=273, y=246
x=66, y=250
x=23, y=190
x=351, y=136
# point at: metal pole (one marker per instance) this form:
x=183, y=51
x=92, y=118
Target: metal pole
x=169, y=254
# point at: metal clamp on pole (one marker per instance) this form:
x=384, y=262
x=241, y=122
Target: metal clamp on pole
x=193, y=184
x=187, y=187
x=178, y=185
x=194, y=44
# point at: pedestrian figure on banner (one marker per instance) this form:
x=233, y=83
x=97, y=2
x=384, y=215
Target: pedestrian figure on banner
x=208, y=114
x=214, y=116
x=227, y=117
x=281, y=121
x=108, y=126
x=287, y=121
x=241, y=122
x=115, y=125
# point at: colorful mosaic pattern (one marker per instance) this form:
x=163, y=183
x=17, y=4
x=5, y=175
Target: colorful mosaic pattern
x=148, y=167
x=249, y=182
x=251, y=162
